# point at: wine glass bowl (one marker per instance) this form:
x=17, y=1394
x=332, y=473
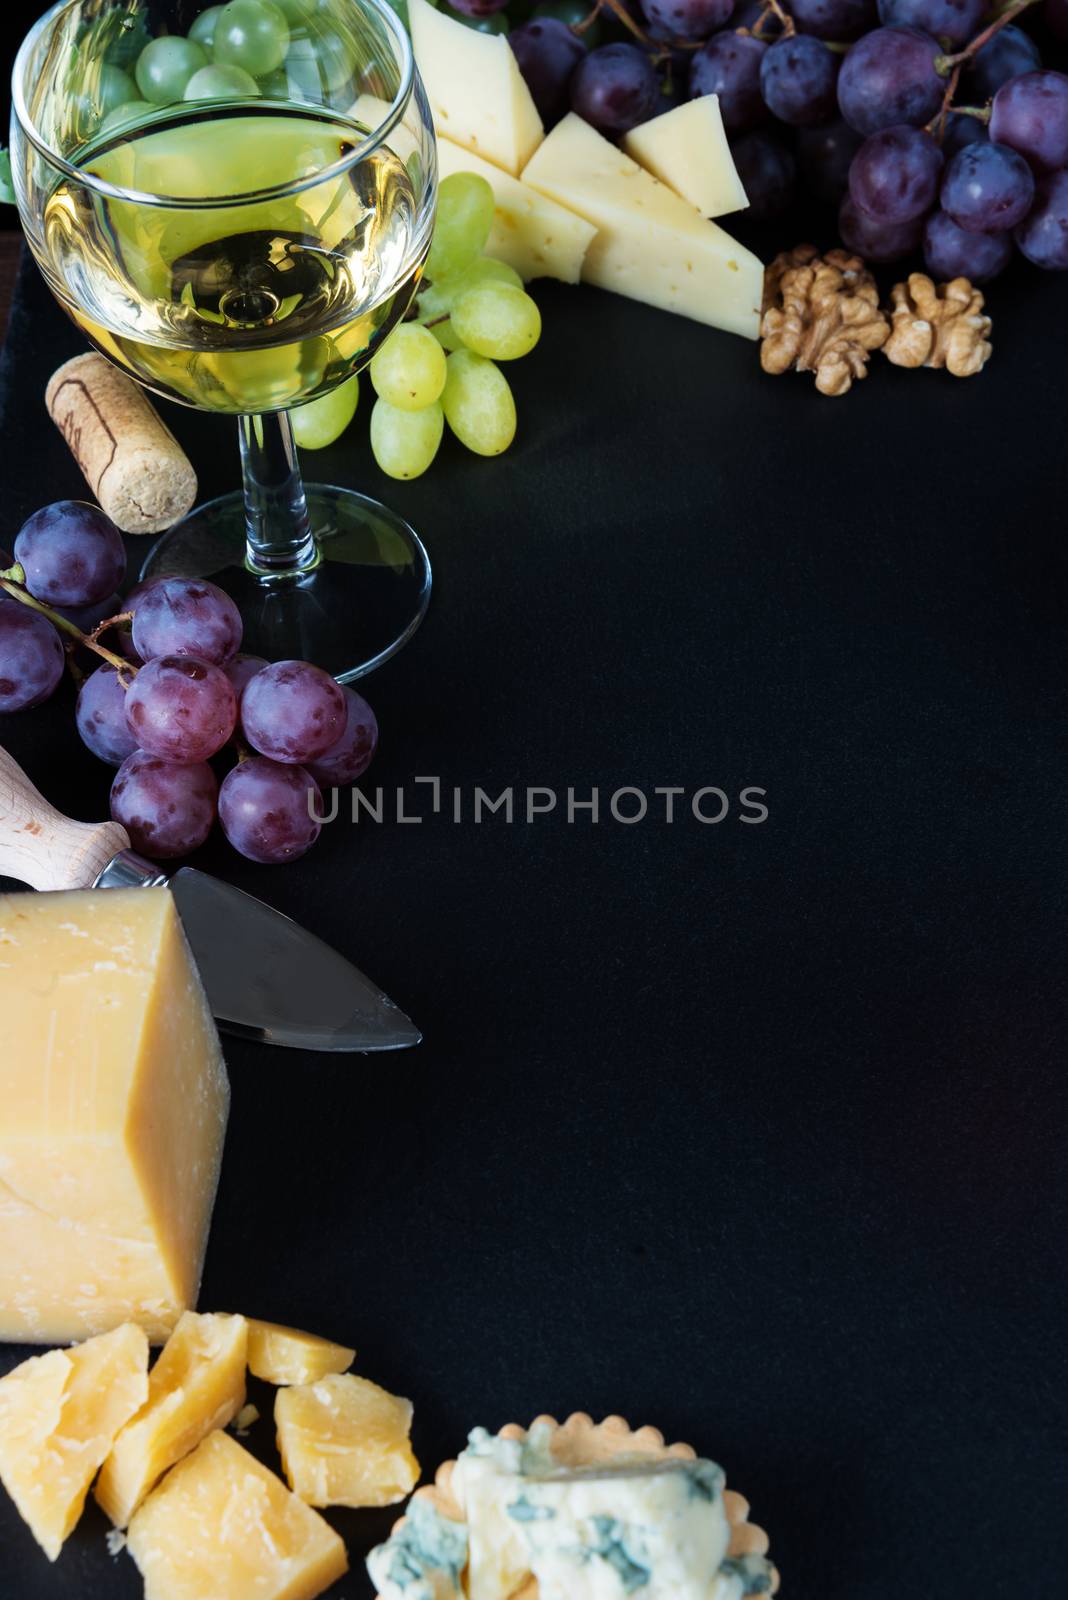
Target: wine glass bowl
x=234, y=205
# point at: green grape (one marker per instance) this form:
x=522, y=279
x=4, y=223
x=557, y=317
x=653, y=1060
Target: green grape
x=123, y=115
x=404, y=443
x=478, y=404
x=438, y=298
x=165, y=66
x=409, y=369
x=497, y=23
x=203, y=27
x=495, y=320
x=298, y=11
x=322, y=421
x=115, y=88
x=252, y=34
x=465, y=217
x=319, y=64
x=216, y=82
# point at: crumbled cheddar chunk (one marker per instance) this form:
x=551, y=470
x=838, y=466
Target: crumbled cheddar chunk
x=286, y=1355
x=222, y=1527
x=344, y=1442
x=59, y=1414
x=196, y=1386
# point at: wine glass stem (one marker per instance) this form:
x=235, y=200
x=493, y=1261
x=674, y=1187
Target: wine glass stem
x=279, y=536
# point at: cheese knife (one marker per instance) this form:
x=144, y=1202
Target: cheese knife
x=266, y=977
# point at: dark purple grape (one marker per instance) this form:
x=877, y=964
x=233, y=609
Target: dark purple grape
x=181, y=708
x=825, y=156
x=954, y=21
x=960, y=132
x=1055, y=13
x=548, y=53
x=988, y=188
x=186, y=617
x=101, y=716
x=798, y=79
x=86, y=618
x=888, y=78
x=688, y=19
x=895, y=174
x=292, y=712
x=167, y=807
x=1043, y=236
x=953, y=252
x=1008, y=54
x=71, y=553
x=615, y=88
x=876, y=241
x=768, y=172
x=752, y=12
x=266, y=810
x=729, y=65
x=31, y=656
x=1030, y=113
x=839, y=20
x=344, y=762
x=475, y=8
x=240, y=670
x=570, y=12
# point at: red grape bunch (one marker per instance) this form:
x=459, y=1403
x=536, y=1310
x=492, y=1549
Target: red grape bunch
x=174, y=695
x=933, y=126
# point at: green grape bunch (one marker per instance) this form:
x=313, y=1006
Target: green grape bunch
x=440, y=366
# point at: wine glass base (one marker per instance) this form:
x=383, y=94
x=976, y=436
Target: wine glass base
x=351, y=611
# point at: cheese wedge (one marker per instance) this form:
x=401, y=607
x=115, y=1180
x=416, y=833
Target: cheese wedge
x=59, y=1414
x=651, y=245
x=114, y=1102
x=222, y=1527
x=687, y=149
x=344, y=1442
x=196, y=1386
x=476, y=90
x=286, y=1355
x=537, y=237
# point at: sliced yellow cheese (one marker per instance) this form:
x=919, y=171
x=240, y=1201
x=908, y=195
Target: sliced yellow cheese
x=687, y=149
x=59, y=1414
x=476, y=90
x=537, y=237
x=344, y=1442
x=221, y=1527
x=651, y=245
x=286, y=1355
x=115, y=1100
x=196, y=1386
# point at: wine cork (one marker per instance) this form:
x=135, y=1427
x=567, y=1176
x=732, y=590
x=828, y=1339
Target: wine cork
x=134, y=465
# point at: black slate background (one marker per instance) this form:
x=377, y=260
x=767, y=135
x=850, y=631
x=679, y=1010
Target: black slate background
x=753, y=1132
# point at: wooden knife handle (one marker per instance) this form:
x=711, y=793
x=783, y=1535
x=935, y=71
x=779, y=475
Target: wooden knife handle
x=40, y=846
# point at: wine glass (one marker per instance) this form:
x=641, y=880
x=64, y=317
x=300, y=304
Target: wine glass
x=234, y=205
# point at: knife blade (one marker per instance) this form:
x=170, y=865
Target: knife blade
x=266, y=977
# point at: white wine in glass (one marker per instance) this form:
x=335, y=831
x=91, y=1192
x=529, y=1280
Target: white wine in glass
x=243, y=244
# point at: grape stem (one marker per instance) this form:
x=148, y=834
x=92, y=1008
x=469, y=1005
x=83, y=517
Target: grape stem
x=660, y=52
x=951, y=67
x=13, y=581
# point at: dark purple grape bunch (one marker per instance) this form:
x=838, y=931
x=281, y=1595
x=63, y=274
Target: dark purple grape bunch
x=175, y=695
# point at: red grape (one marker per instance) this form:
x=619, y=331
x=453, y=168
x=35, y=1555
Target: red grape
x=476, y=8
x=266, y=810
x=889, y=77
x=86, y=618
x=186, y=617
x=988, y=188
x=767, y=169
x=952, y=252
x=344, y=762
x=181, y=708
x=1008, y=54
x=895, y=173
x=239, y=670
x=729, y=66
x=72, y=554
x=292, y=711
x=955, y=21
x=31, y=656
x=101, y=716
x=615, y=88
x=688, y=19
x=167, y=807
x=875, y=240
x=1043, y=237
x=961, y=131
x=825, y=156
x=798, y=77
x=834, y=19
x=548, y=53
x=1030, y=113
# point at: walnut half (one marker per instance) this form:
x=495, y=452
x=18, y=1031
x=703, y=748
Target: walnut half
x=939, y=326
x=821, y=315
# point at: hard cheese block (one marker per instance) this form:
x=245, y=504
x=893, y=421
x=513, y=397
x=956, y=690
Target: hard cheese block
x=475, y=88
x=222, y=1527
x=687, y=149
x=196, y=1386
x=115, y=1099
x=58, y=1416
x=286, y=1355
x=537, y=237
x=650, y=244
x=344, y=1442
